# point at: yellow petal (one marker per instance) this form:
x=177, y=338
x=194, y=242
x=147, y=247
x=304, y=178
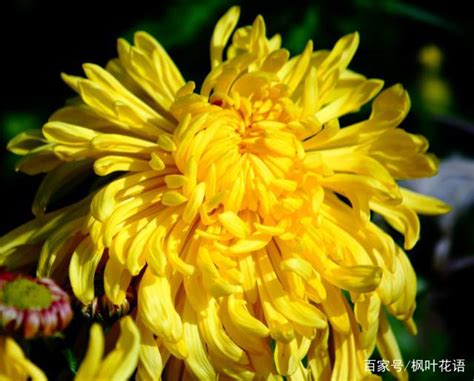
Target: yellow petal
x=104, y=201
x=423, y=204
x=84, y=262
x=92, y=361
x=70, y=134
x=341, y=54
x=318, y=357
x=336, y=308
x=175, y=245
x=356, y=278
x=242, y=318
x=350, y=102
x=57, y=248
x=195, y=201
x=297, y=73
x=121, y=144
x=255, y=242
x=157, y=309
x=346, y=366
x=175, y=181
x=42, y=159
x=171, y=77
x=26, y=142
x=367, y=311
x=166, y=142
x=391, y=106
x=138, y=250
x=39, y=229
x=310, y=93
x=388, y=347
x=215, y=282
x=298, y=266
x=234, y=224
x=116, y=281
x=292, y=308
x=402, y=219
x=121, y=362
x=275, y=61
x=393, y=281
x=156, y=162
x=346, y=184
x=222, y=32
x=247, y=268
x=404, y=306
x=285, y=358
x=173, y=198
x=198, y=359
x=151, y=363
x=114, y=163
x=217, y=340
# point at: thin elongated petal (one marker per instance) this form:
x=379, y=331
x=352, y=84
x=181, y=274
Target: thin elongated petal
x=388, y=347
x=95, y=350
x=82, y=268
x=159, y=314
x=198, y=360
x=121, y=362
x=151, y=363
x=423, y=204
x=222, y=32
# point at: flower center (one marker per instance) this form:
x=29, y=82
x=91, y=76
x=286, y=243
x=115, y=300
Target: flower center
x=262, y=124
x=242, y=146
x=24, y=294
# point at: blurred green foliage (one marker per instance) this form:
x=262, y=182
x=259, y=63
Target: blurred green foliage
x=393, y=36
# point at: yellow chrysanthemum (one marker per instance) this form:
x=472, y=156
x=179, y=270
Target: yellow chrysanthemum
x=243, y=210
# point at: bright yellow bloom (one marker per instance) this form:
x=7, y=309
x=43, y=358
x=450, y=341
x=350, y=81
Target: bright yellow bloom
x=14, y=365
x=120, y=363
x=244, y=209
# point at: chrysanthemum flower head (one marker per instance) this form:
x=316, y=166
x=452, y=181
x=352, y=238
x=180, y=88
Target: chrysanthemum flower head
x=243, y=209
x=31, y=307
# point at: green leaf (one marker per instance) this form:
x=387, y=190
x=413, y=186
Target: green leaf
x=70, y=359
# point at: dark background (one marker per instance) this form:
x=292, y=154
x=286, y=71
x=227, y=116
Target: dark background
x=41, y=39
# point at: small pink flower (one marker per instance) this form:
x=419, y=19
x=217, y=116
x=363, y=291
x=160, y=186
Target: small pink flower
x=32, y=307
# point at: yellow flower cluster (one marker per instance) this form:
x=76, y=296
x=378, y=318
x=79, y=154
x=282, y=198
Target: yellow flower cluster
x=243, y=211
